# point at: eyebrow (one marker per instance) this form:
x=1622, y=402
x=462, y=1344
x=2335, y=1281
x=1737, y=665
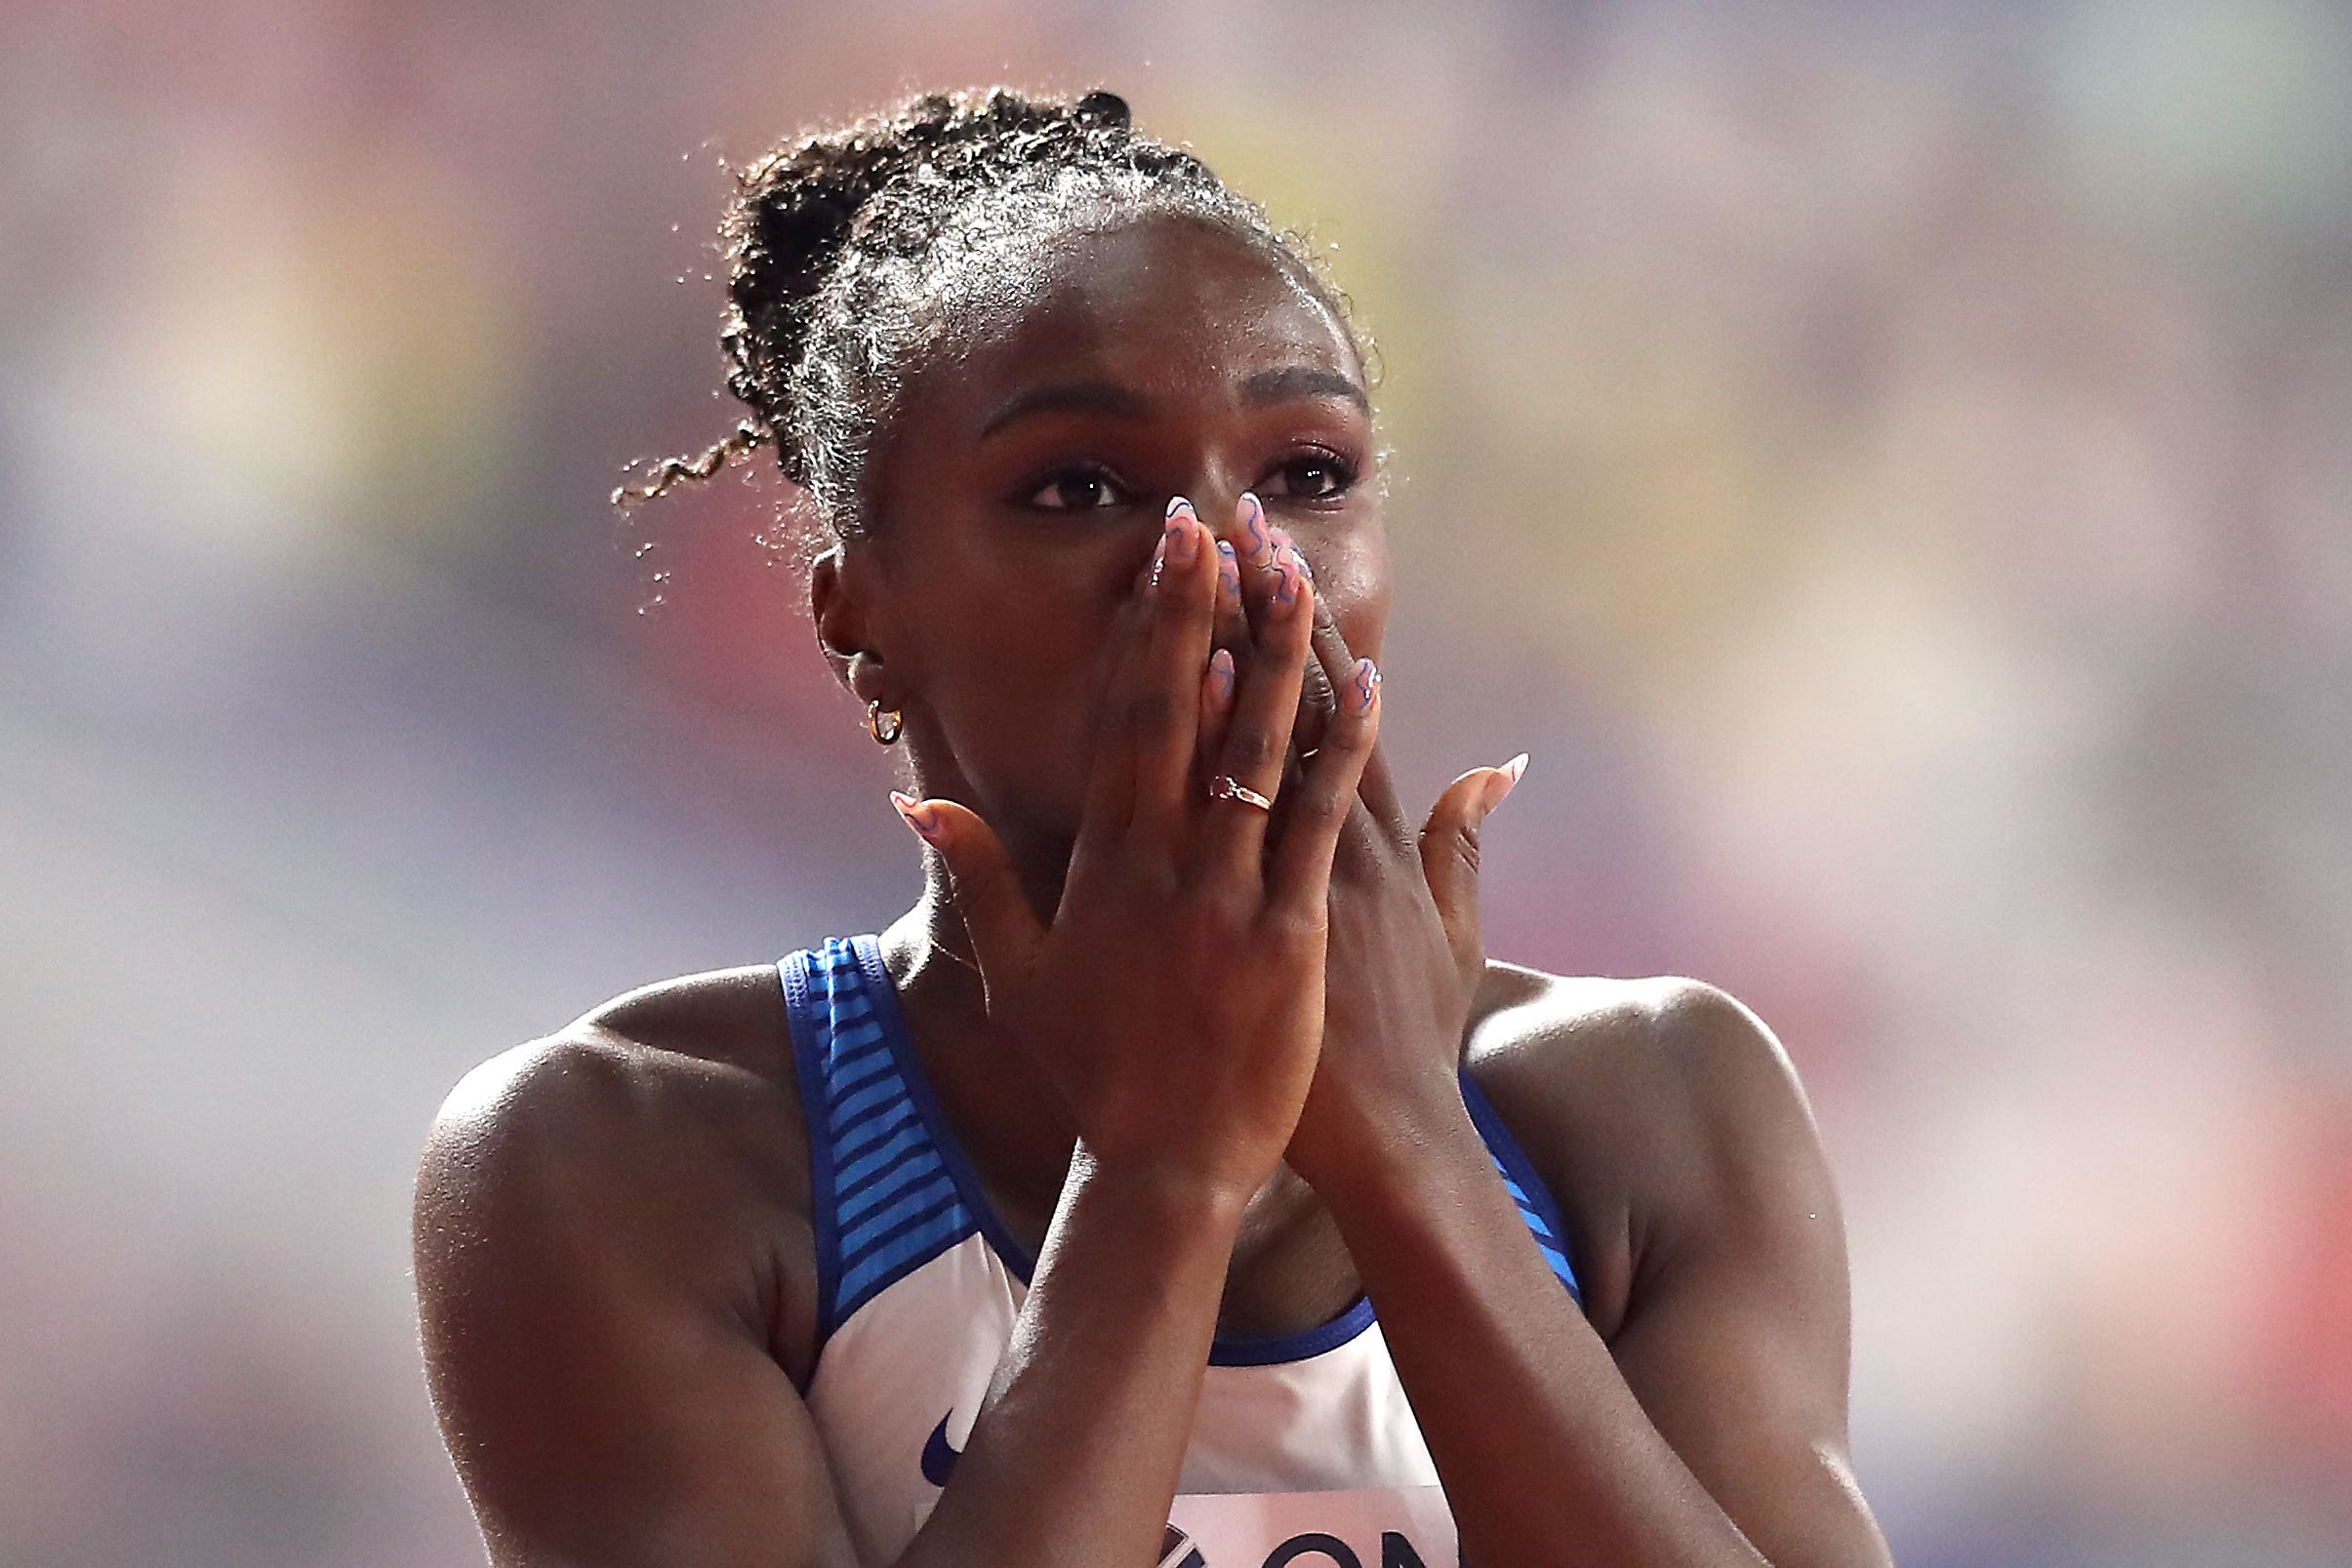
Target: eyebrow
x=1303, y=380
x=1124, y=402
x=1068, y=397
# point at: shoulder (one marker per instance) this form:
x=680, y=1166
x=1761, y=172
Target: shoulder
x=657, y=1136
x=1656, y=1108
x=1687, y=1053
x=705, y=1055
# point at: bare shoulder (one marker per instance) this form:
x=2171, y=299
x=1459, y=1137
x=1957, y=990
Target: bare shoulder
x=1653, y=1108
x=657, y=1136
x=703, y=1058
x=1686, y=1046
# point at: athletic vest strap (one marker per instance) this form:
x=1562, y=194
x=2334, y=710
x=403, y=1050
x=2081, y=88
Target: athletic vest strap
x=890, y=1190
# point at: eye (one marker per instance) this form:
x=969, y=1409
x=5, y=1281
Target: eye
x=1316, y=475
x=1080, y=487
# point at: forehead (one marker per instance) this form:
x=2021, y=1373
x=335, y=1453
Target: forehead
x=1165, y=304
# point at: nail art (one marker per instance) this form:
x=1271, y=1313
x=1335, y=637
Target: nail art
x=1288, y=583
x=1183, y=536
x=1220, y=675
x=1254, y=530
x=1364, y=685
x=1287, y=548
x=1172, y=538
x=919, y=816
x=1497, y=793
x=1228, y=570
x=1177, y=504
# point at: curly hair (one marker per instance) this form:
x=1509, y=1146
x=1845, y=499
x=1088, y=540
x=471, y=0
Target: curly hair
x=851, y=250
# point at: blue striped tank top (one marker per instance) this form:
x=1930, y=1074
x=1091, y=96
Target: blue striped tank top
x=1302, y=1443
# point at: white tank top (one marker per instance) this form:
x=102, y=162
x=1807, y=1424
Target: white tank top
x=1303, y=1449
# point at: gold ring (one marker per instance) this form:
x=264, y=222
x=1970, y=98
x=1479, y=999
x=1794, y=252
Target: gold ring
x=1225, y=787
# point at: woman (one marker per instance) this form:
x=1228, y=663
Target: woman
x=1177, y=1181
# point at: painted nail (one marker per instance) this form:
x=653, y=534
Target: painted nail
x=1177, y=504
x=1183, y=536
x=1364, y=685
x=1228, y=570
x=919, y=816
x=1496, y=794
x=1257, y=539
x=1288, y=583
x=1287, y=548
x=1220, y=675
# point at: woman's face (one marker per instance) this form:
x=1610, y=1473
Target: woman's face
x=1024, y=483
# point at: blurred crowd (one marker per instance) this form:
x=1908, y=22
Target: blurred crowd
x=1890, y=464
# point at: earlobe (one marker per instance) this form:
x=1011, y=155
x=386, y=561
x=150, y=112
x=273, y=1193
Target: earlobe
x=843, y=632
x=833, y=611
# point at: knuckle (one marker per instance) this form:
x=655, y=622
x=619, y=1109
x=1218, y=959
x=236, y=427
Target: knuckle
x=1179, y=604
x=1220, y=908
x=1251, y=748
x=1459, y=841
x=1150, y=713
x=1294, y=929
x=1322, y=805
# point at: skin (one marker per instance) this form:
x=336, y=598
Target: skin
x=615, y=1260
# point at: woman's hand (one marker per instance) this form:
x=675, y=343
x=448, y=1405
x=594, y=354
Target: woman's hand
x=1176, y=997
x=1405, y=956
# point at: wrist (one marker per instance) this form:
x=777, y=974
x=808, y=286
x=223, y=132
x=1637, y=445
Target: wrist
x=1399, y=1139
x=1155, y=1197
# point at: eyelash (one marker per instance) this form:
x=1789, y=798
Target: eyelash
x=1343, y=474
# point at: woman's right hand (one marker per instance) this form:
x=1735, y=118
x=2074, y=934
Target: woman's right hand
x=1176, y=997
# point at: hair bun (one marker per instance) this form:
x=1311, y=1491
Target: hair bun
x=1102, y=107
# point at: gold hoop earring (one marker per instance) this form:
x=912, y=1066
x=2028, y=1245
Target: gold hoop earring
x=885, y=725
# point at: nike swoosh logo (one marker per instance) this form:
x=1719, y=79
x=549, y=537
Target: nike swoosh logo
x=938, y=1460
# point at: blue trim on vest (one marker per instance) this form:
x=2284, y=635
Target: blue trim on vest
x=882, y=1201
x=890, y=1185
x=1536, y=1204
x=1254, y=1352
x=809, y=1044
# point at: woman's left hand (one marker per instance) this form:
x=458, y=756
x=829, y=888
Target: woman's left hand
x=1404, y=955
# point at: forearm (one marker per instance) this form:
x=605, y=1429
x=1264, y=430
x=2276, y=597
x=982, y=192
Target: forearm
x=1546, y=1456
x=1076, y=1453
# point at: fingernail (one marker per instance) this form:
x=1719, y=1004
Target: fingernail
x=1228, y=570
x=1183, y=536
x=919, y=816
x=1251, y=513
x=1177, y=504
x=1287, y=548
x=1221, y=675
x=1286, y=590
x=1364, y=684
x=1496, y=794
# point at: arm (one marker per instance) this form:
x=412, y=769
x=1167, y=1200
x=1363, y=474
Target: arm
x=602, y=1313
x=1712, y=1429
x=595, y=1323
x=599, y=1338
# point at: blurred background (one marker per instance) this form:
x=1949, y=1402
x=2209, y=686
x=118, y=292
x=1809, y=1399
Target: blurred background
x=1891, y=463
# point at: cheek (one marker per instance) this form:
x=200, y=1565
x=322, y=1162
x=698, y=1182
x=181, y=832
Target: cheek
x=1353, y=581
x=1013, y=663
